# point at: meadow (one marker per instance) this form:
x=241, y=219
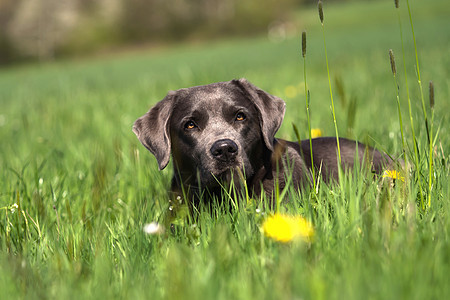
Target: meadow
x=77, y=187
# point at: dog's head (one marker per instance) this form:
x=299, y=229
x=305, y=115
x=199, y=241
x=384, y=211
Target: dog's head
x=212, y=130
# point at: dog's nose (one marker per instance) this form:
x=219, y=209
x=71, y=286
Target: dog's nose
x=224, y=150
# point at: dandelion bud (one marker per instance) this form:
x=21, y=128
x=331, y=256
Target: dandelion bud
x=304, y=43
x=320, y=11
x=392, y=59
x=431, y=95
x=396, y=3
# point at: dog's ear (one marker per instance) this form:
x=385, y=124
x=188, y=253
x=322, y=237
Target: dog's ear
x=152, y=129
x=271, y=109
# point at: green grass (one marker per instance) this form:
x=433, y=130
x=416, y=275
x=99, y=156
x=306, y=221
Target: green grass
x=85, y=187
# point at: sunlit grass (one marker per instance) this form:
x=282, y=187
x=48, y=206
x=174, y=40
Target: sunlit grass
x=78, y=191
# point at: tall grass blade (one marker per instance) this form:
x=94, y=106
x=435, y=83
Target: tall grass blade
x=320, y=7
x=417, y=164
x=431, y=145
x=307, y=107
x=400, y=119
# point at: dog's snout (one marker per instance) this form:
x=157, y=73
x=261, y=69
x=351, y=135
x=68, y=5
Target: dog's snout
x=224, y=150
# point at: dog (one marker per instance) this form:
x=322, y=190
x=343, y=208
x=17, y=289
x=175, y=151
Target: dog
x=224, y=133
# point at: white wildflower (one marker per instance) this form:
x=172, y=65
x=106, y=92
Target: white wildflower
x=14, y=207
x=153, y=228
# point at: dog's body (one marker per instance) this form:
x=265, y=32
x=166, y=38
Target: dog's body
x=224, y=132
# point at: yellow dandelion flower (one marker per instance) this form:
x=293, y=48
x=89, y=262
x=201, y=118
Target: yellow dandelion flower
x=393, y=174
x=290, y=91
x=285, y=228
x=316, y=132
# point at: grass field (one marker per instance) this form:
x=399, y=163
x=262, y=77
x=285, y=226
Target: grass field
x=77, y=187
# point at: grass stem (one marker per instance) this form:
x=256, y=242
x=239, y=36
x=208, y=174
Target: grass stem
x=431, y=145
x=427, y=125
x=416, y=151
x=400, y=119
x=320, y=6
x=307, y=108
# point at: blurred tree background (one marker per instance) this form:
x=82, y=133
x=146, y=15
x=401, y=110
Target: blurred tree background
x=47, y=29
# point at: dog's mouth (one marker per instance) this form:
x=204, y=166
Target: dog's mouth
x=224, y=177
x=212, y=174
x=230, y=174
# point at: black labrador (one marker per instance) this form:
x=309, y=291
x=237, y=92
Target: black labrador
x=223, y=132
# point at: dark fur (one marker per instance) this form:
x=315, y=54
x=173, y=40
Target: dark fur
x=222, y=148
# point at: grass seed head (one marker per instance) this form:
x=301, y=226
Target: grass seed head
x=320, y=6
x=431, y=95
x=392, y=59
x=304, y=43
x=396, y=3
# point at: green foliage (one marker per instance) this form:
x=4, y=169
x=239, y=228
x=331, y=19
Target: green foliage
x=76, y=187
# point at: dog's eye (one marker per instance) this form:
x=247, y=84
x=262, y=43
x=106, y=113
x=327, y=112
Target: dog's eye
x=240, y=117
x=190, y=125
